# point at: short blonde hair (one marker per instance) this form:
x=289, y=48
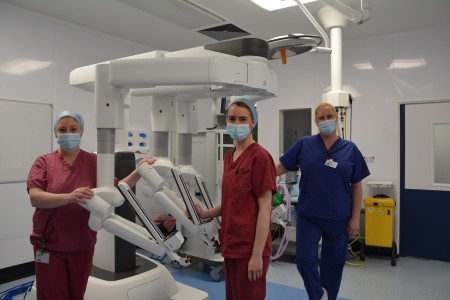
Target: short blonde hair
x=322, y=105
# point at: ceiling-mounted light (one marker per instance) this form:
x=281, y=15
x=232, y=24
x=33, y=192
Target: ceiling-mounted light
x=277, y=4
x=22, y=66
x=292, y=44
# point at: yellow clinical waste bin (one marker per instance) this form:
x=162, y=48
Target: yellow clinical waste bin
x=379, y=221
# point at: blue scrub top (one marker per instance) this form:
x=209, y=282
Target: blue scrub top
x=325, y=192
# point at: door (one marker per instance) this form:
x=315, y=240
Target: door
x=294, y=124
x=425, y=180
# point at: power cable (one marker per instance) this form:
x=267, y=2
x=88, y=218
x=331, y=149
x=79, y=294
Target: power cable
x=14, y=291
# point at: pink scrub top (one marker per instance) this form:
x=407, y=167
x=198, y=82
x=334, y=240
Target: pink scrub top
x=244, y=181
x=64, y=228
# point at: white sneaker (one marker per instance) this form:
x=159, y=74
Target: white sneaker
x=325, y=295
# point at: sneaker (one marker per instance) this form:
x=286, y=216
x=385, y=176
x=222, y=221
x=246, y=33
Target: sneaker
x=325, y=295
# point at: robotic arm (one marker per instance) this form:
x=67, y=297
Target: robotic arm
x=101, y=207
x=181, y=205
x=170, y=243
x=192, y=178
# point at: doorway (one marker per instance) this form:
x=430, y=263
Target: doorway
x=425, y=180
x=294, y=124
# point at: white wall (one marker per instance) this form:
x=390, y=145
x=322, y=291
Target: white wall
x=301, y=84
x=304, y=79
x=63, y=47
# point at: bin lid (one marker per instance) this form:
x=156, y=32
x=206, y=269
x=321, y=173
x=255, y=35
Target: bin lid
x=379, y=202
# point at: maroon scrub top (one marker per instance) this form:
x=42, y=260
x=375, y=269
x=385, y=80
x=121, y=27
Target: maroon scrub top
x=65, y=228
x=244, y=181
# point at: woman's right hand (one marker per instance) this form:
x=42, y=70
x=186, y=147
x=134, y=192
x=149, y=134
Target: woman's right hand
x=81, y=195
x=200, y=211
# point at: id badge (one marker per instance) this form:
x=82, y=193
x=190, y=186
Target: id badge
x=331, y=163
x=42, y=257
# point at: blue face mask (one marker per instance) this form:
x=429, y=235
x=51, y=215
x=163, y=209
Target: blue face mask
x=69, y=141
x=327, y=127
x=238, y=132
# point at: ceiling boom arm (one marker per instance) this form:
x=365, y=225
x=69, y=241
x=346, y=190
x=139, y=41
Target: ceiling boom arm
x=355, y=16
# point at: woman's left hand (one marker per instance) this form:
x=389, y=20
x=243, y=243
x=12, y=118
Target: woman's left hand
x=149, y=160
x=255, y=268
x=353, y=227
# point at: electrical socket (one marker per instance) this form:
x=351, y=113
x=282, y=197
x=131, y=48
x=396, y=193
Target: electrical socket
x=369, y=158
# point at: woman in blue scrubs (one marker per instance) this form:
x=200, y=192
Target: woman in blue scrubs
x=329, y=202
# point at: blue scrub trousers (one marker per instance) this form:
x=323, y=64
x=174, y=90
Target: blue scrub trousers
x=333, y=254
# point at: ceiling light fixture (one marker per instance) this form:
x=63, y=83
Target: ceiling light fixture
x=292, y=44
x=23, y=66
x=271, y=5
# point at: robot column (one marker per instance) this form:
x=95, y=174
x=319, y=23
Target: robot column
x=109, y=106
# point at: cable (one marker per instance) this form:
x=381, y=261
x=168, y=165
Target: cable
x=14, y=291
x=287, y=233
x=28, y=290
x=343, y=113
x=351, y=115
x=355, y=256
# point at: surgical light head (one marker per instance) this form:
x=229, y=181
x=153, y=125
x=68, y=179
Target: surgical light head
x=251, y=105
x=67, y=113
x=292, y=44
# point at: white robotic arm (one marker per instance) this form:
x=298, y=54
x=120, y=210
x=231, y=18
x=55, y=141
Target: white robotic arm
x=181, y=206
x=193, y=178
x=101, y=207
x=171, y=243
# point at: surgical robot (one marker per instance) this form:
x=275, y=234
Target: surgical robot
x=224, y=69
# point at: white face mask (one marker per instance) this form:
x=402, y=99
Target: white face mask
x=69, y=141
x=327, y=127
x=238, y=132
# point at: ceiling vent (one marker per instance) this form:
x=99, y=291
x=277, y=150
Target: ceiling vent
x=224, y=32
x=185, y=13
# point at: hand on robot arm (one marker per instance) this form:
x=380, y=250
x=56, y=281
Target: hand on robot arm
x=193, y=178
x=134, y=177
x=207, y=213
x=43, y=199
x=170, y=243
x=101, y=208
x=210, y=225
x=156, y=188
x=180, y=207
x=167, y=221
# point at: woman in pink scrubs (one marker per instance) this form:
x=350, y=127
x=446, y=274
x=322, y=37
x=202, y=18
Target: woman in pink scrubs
x=62, y=240
x=249, y=181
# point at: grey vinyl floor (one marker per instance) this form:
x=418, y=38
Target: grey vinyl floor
x=376, y=279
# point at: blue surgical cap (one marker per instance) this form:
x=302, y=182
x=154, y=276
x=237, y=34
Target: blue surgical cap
x=68, y=113
x=250, y=104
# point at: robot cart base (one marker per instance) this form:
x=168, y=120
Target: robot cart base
x=216, y=267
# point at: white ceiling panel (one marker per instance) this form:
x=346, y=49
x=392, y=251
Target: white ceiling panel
x=174, y=24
